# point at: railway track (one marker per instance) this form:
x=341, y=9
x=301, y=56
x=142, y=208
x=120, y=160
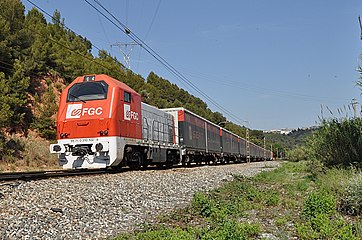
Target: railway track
x=35, y=175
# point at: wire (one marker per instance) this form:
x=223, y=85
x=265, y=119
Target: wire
x=258, y=89
x=43, y=11
x=66, y=47
x=103, y=30
x=149, y=28
x=77, y=35
x=155, y=55
x=153, y=19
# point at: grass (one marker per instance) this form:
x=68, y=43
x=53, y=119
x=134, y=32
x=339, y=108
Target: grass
x=286, y=202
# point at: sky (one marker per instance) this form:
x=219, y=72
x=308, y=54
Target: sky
x=273, y=64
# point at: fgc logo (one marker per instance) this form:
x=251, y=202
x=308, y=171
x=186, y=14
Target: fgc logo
x=128, y=114
x=77, y=110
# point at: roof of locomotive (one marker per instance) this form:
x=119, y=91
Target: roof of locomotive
x=111, y=81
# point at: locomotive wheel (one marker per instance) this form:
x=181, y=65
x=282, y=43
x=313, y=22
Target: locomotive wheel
x=135, y=161
x=186, y=160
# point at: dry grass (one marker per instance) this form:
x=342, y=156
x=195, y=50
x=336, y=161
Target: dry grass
x=30, y=154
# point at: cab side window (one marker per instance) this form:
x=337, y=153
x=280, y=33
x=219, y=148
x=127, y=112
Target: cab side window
x=127, y=97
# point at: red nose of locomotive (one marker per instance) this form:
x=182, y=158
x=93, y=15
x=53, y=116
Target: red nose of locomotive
x=85, y=108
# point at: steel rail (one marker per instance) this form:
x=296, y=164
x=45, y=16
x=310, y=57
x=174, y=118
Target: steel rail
x=36, y=175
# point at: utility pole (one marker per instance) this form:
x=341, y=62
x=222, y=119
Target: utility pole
x=360, y=105
x=247, y=146
x=264, y=150
x=271, y=149
x=354, y=105
x=126, y=49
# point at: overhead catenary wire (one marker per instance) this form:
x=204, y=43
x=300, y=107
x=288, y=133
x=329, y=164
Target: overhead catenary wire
x=154, y=54
x=49, y=15
x=233, y=83
x=153, y=19
x=259, y=89
x=46, y=13
x=165, y=63
x=66, y=47
x=150, y=27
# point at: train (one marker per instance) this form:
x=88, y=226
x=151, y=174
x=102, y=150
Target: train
x=103, y=123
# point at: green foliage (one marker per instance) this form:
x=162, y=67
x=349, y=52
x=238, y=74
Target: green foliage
x=159, y=234
x=45, y=108
x=337, y=143
x=10, y=149
x=319, y=203
x=231, y=229
x=324, y=227
x=334, y=181
x=202, y=204
x=298, y=154
x=281, y=198
x=351, y=202
x=287, y=143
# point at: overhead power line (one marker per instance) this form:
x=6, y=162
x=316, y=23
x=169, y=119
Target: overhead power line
x=66, y=47
x=122, y=27
x=49, y=15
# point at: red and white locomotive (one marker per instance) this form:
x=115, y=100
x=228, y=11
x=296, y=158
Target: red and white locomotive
x=103, y=123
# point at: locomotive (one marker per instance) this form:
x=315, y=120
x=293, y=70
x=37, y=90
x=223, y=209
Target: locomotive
x=103, y=123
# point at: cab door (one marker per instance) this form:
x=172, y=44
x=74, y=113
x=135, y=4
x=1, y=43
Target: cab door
x=131, y=117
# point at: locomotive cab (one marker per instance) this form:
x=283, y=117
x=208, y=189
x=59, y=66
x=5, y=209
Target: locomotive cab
x=97, y=116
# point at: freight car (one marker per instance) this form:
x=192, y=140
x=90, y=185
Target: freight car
x=203, y=141
x=102, y=123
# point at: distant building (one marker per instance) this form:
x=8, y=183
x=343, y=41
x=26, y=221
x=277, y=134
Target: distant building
x=286, y=131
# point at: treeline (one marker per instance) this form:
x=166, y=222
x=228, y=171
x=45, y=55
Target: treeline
x=39, y=58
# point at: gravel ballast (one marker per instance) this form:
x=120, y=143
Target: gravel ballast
x=98, y=207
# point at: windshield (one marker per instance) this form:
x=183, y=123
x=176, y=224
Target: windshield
x=87, y=91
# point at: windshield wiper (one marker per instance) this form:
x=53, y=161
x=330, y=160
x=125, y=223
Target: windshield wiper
x=77, y=98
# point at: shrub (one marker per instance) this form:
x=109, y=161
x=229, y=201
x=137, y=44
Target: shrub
x=315, y=168
x=338, y=142
x=160, y=232
x=231, y=229
x=11, y=148
x=334, y=181
x=298, y=154
x=351, y=202
x=323, y=226
x=318, y=203
x=202, y=204
x=28, y=152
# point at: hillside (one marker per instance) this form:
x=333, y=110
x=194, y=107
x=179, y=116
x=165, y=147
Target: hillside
x=285, y=142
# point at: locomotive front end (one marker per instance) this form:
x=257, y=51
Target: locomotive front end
x=85, y=127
